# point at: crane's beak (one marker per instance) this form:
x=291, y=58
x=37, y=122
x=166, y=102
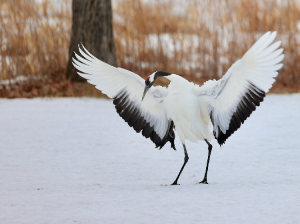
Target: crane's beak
x=145, y=91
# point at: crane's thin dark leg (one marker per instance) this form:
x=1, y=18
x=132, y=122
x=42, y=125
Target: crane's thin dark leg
x=204, y=181
x=186, y=159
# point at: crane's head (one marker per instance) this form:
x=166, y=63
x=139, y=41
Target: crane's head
x=151, y=79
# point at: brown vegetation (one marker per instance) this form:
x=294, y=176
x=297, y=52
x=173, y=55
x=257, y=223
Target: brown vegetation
x=196, y=39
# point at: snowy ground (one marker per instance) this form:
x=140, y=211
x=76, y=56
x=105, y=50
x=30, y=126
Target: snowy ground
x=76, y=161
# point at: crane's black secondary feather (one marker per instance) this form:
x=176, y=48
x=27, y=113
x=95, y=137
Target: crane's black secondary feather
x=246, y=106
x=132, y=115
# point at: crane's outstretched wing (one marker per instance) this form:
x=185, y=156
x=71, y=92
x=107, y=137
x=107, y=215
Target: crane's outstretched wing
x=235, y=96
x=126, y=88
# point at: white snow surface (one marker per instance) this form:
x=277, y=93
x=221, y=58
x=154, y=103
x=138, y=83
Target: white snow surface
x=74, y=160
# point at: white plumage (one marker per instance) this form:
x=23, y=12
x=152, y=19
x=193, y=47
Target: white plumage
x=113, y=81
x=223, y=105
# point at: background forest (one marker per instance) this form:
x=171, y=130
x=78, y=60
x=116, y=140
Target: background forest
x=196, y=39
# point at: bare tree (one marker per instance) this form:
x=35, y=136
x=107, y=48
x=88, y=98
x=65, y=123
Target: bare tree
x=92, y=26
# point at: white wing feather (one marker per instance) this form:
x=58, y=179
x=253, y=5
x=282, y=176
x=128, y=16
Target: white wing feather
x=112, y=81
x=253, y=74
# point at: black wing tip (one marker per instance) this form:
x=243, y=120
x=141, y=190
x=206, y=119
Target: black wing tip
x=131, y=114
x=252, y=98
x=170, y=136
x=221, y=139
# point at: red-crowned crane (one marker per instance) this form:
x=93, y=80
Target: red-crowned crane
x=214, y=110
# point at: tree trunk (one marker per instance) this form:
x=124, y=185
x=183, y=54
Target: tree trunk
x=92, y=26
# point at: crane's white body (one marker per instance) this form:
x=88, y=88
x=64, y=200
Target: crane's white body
x=215, y=109
x=189, y=113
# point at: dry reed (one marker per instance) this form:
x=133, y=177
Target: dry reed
x=196, y=39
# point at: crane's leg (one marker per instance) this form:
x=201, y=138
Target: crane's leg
x=186, y=159
x=204, y=181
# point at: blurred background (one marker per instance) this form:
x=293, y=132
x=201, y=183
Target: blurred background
x=197, y=39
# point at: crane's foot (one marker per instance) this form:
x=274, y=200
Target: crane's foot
x=175, y=183
x=204, y=181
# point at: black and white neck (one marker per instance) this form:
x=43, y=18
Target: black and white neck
x=151, y=79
